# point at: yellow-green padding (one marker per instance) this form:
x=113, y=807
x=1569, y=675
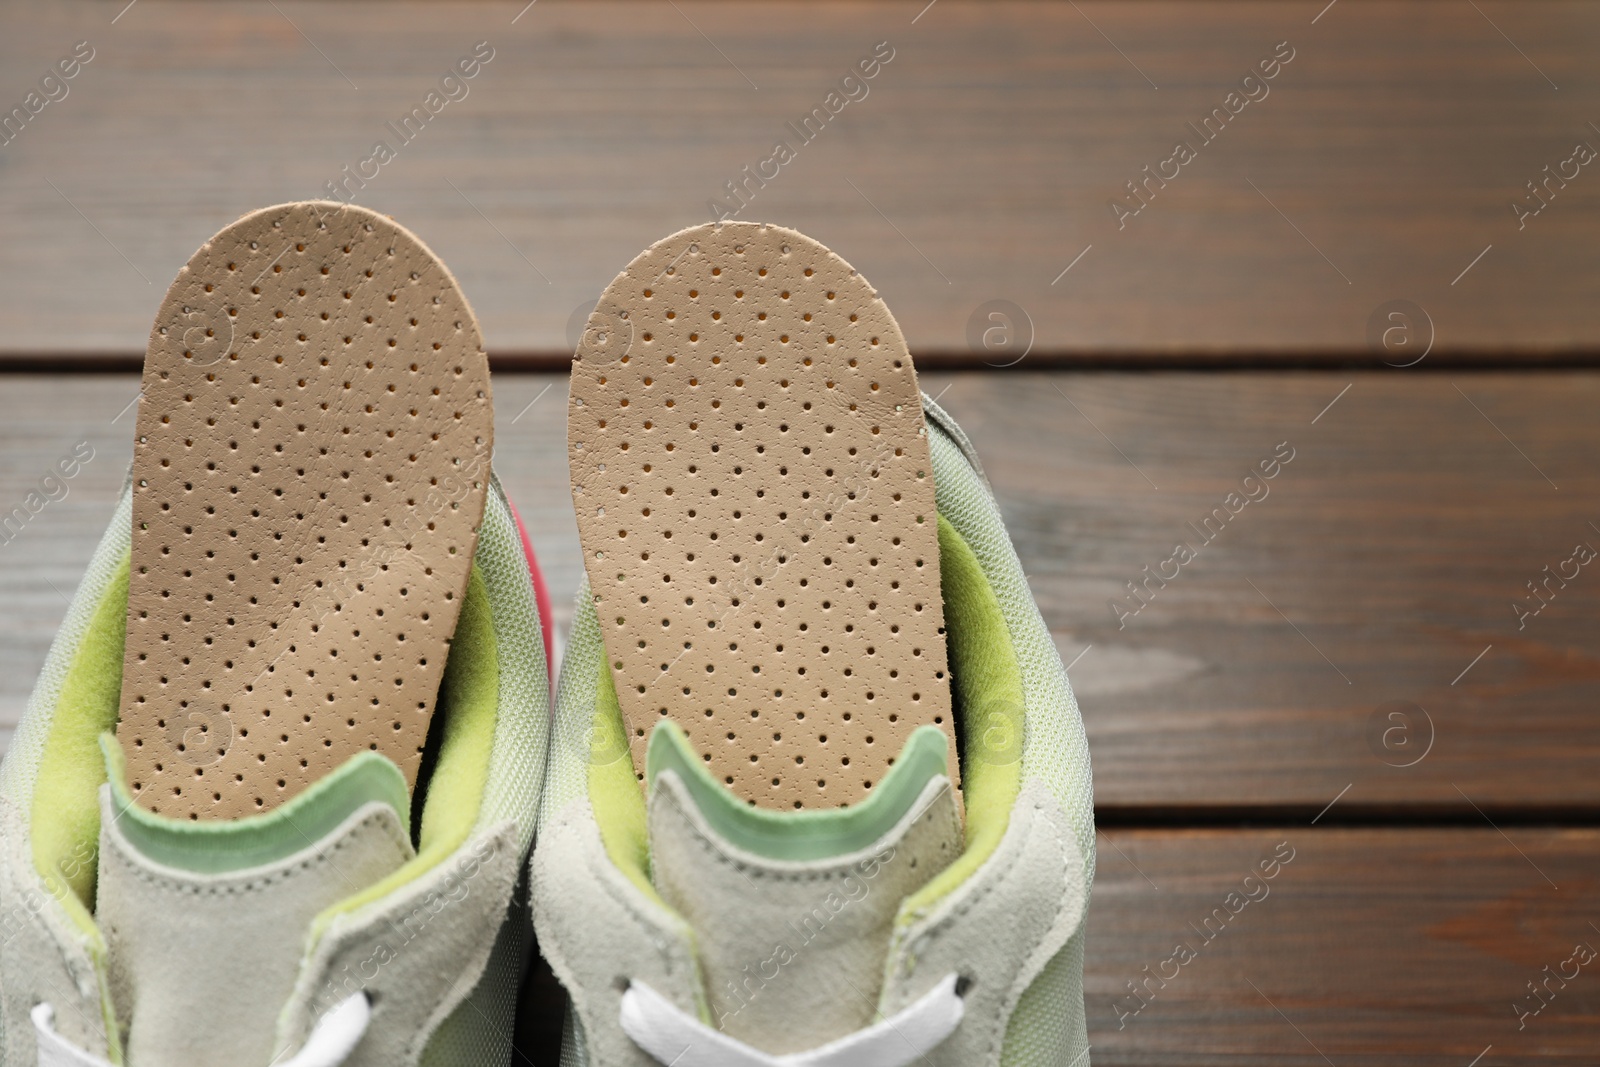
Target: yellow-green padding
x=66, y=807
x=987, y=680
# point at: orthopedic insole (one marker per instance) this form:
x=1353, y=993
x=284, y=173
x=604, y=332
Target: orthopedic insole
x=755, y=501
x=310, y=469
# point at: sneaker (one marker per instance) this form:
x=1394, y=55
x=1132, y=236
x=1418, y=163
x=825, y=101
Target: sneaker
x=818, y=790
x=273, y=792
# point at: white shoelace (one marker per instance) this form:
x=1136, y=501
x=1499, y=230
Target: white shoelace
x=332, y=1040
x=676, y=1039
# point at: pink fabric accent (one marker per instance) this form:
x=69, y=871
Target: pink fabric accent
x=540, y=593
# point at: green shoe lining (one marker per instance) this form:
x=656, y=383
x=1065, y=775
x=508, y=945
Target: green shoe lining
x=222, y=845
x=806, y=834
x=614, y=792
x=65, y=813
x=990, y=710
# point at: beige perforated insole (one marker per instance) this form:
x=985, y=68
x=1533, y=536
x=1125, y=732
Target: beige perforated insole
x=311, y=461
x=755, y=500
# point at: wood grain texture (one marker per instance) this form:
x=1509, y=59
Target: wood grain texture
x=1393, y=947
x=980, y=164
x=1395, y=541
x=1383, y=559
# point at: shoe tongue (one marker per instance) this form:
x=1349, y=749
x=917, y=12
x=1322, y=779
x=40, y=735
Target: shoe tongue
x=792, y=910
x=207, y=923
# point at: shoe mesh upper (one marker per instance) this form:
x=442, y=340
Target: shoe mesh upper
x=479, y=1032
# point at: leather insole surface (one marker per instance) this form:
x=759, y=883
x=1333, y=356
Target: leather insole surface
x=310, y=468
x=755, y=500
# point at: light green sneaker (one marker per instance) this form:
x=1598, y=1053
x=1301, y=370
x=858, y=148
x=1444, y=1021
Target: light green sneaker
x=273, y=794
x=758, y=843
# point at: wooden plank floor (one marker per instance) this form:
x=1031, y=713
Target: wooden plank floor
x=1394, y=946
x=1383, y=160
x=1372, y=572
x=1381, y=661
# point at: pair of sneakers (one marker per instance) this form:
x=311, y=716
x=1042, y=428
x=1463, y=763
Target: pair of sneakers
x=294, y=789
